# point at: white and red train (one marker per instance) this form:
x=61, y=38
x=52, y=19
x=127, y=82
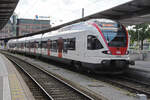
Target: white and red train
x=98, y=45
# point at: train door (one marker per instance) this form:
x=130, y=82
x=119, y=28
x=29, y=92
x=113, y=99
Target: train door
x=80, y=38
x=60, y=47
x=48, y=47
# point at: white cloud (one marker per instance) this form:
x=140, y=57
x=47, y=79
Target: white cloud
x=65, y=10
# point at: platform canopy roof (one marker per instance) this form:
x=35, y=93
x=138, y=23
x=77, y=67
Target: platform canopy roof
x=130, y=13
x=6, y=10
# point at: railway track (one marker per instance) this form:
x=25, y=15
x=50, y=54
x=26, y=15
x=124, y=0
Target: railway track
x=53, y=87
x=127, y=83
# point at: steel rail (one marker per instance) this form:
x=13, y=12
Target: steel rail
x=136, y=81
x=127, y=86
x=62, y=81
x=50, y=97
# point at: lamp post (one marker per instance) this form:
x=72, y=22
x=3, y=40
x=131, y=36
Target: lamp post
x=82, y=12
x=138, y=40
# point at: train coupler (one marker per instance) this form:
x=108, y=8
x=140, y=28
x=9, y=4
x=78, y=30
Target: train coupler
x=131, y=62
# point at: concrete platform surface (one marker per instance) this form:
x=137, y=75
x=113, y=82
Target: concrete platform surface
x=142, y=66
x=12, y=86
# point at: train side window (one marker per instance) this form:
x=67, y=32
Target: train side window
x=18, y=45
x=28, y=45
x=54, y=46
x=65, y=47
x=36, y=44
x=44, y=44
x=71, y=44
x=24, y=45
x=32, y=45
x=50, y=44
x=39, y=44
x=93, y=43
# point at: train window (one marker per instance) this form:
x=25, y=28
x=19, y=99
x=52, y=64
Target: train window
x=44, y=44
x=50, y=44
x=36, y=44
x=28, y=45
x=22, y=45
x=71, y=44
x=39, y=44
x=93, y=43
x=116, y=38
x=54, y=46
x=18, y=45
x=12, y=45
x=32, y=45
x=65, y=47
x=25, y=45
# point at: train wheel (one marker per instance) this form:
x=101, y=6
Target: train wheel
x=88, y=71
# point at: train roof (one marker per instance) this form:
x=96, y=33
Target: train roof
x=12, y=41
x=56, y=33
x=35, y=38
x=28, y=38
x=21, y=40
x=103, y=20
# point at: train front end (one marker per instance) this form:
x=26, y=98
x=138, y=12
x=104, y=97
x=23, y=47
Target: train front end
x=116, y=41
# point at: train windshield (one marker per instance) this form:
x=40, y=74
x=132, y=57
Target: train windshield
x=115, y=36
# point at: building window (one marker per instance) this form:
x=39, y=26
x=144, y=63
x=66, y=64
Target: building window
x=93, y=43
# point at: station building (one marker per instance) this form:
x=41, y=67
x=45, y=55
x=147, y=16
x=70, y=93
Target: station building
x=17, y=26
x=26, y=26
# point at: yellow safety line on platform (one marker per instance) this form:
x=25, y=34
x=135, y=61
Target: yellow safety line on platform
x=15, y=88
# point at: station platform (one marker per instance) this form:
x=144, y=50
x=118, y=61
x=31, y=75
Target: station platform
x=142, y=65
x=12, y=86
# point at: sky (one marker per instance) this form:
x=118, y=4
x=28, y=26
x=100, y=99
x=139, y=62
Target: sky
x=61, y=11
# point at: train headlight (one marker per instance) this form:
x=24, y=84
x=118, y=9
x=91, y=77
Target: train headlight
x=106, y=52
x=127, y=52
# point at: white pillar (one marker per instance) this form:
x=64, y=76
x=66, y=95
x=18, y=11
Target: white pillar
x=141, y=97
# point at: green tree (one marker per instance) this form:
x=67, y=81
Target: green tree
x=133, y=36
x=143, y=30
